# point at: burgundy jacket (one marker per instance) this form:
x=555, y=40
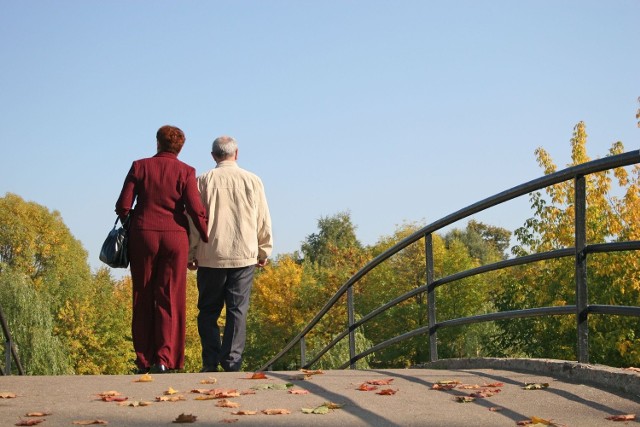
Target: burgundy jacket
x=165, y=191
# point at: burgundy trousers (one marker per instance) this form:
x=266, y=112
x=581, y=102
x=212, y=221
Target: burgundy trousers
x=158, y=261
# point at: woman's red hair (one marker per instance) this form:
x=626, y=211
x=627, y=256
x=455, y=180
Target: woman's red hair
x=170, y=138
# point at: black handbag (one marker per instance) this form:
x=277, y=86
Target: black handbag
x=114, y=249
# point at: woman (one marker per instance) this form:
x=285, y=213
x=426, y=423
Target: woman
x=165, y=191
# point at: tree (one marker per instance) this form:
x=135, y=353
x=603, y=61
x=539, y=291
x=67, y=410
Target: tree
x=88, y=315
x=334, y=232
x=31, y=325
x=612, y=278
x=277, y=313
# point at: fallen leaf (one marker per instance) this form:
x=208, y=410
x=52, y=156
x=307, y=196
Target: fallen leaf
x=380, y=382
x=332, y=405
x=317, y=410
x=174, y=398
x=229, y=420
x=445, y=382
x=298, y=391
x=109, y=393
x=226, y=403
x=299, y=377
x=245, y=392
x=468, y=386
x=366, y=387
x=538, y=422
x=206, y=397
x=134, y=403
x=258, y=376
x=37, y=414
x=464, y=399
x=185, y=418
x=535, y=386
x=626, y=417
x=494, y=385
x=114, y=398
x=387, y=392
x=485, y=392
x=170, y=391
x=209, y=380
x=90, y=422
x=144, y=379
x=272, y=386
x=30, y=422
x=309, y=372
x=7, y=395
x=244, y=412
x=200, y=390
x=443, y=386
x=221, y=394
x=276, y=411
x=632, y=369
x=495, y=409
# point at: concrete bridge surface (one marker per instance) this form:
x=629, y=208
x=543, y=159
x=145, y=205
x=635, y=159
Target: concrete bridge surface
x=483, y=392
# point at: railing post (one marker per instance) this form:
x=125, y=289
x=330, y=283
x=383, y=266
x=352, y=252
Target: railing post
x=580, y=201
x=303, y=352
x=352, y=332
x=431, y=298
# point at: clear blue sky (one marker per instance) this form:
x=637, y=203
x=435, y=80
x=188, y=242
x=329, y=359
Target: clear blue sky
x=397, y=111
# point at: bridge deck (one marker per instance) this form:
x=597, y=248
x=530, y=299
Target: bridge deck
x=413, y=403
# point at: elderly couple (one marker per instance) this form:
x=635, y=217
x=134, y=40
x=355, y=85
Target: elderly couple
x=217, y=223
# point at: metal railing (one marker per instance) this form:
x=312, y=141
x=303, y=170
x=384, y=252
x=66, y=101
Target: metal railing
x=9, y=349
x=581, y=309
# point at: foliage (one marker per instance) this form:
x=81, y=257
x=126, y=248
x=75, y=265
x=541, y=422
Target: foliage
x=31, y=326
x=84, y=322
x=612, y=279
x=193, y=349
x=276, y=314
x=334, y=232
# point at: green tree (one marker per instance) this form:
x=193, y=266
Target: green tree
x=612, y=278
x=35, y=241
x=334, y=232
x=89, y=314
x=31, y=325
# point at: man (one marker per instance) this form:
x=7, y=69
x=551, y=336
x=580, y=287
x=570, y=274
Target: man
x=240, y=240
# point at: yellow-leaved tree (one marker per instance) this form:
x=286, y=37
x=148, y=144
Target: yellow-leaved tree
x=612, y=214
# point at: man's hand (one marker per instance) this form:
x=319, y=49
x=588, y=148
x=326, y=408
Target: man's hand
x=192, y=265
x=262, y=262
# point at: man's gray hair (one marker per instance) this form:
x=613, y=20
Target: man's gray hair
x=224, y=147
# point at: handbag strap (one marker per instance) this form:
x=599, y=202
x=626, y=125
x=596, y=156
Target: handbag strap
x=125, y=223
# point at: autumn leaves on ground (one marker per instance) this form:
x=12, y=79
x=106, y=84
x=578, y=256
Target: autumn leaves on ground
x=204, y=398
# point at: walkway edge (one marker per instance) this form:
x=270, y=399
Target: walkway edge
x=624, y=380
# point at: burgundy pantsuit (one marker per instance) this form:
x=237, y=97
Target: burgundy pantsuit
x=165, y=191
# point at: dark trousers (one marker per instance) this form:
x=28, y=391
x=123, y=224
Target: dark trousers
x=218, y=287
x=159, y=275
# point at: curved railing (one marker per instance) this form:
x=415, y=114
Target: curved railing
x=580, y=252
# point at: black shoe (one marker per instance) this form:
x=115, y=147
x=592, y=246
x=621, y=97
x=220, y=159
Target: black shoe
x=159, y=369
x=142, y=371
x=209, y=369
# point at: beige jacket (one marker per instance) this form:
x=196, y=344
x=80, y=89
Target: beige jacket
x=239, y=224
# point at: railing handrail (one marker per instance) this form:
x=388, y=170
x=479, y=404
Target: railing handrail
x=594, y=166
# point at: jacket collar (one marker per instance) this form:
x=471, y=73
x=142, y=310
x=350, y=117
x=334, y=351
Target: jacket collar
x=227, y=163
x=166, y=154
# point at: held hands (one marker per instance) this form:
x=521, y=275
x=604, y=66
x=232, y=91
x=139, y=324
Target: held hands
x=262, y=262
x=192, y=265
